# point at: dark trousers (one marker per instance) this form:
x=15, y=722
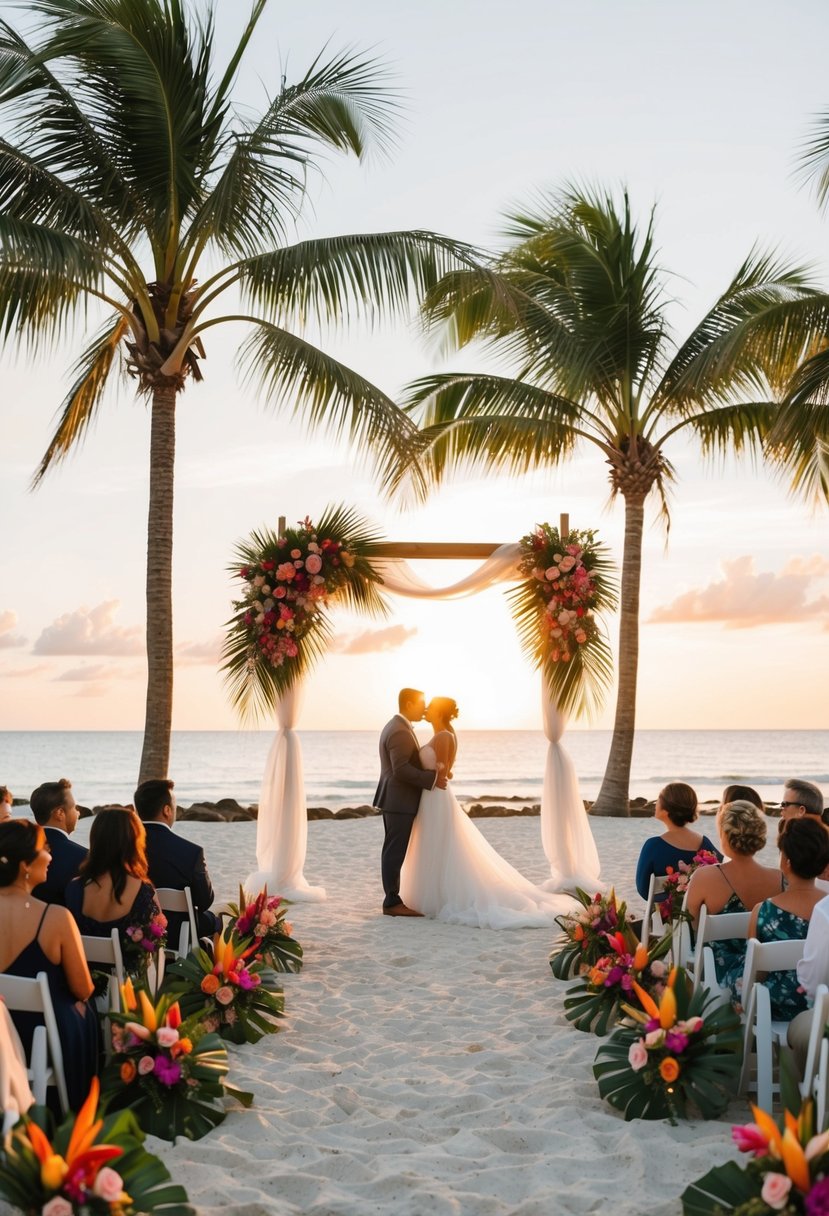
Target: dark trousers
x=398, y=830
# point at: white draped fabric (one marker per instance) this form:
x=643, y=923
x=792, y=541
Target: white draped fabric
x=282, y=825
x=500, y=567
x=565, y=831
x=15, y=1094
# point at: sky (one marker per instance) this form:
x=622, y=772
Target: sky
x=700, y=110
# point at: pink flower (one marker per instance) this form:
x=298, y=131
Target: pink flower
x=567, y=563
x=313, y=563
x=166, y=1036
x=145, y=1065
x=638, y=1055
x=750, y=1139
x=296, y=553
x=775, y=1190
x=140, y=1032
x=285, y=572
x=58, y=1206
x=260, y=930
x=167, y=1071
x=224, y=995
x=109, y=1185
x=657, y=968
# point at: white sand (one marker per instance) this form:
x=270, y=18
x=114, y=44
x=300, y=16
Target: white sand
x=427, y=1068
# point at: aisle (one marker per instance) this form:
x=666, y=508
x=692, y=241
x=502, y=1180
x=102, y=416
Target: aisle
x=427, y=1069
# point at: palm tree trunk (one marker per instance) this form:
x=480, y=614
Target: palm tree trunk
x=155, y=756
x=614, y=795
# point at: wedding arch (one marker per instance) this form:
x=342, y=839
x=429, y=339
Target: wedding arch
x=290, y=577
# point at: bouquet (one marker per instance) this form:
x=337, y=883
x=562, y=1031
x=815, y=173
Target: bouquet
x=168, y=1071
x=279, y=626
x=90, y=1166
x=598, y=999
x=685, y=1050
x=676, y=883
x=232, y=994
x=262, y=922
x=585, y=933
x=142, y=942
x=788, y=1173
x=567, y=580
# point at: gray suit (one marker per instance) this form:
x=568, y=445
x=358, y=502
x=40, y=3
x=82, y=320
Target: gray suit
x=402, y=779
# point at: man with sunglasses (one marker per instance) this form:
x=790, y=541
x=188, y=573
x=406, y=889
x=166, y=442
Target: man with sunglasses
x=801, y=798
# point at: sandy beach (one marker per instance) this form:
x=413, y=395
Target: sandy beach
x=426, y=1068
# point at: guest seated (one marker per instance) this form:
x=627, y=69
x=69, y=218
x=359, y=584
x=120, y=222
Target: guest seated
x=112, y=890
x=172, y=860
x=676, y=807
x=6, y=803
x=737, y=886
x=35, y=936
x=53, y=807
x=804, y=798
x=804, y=853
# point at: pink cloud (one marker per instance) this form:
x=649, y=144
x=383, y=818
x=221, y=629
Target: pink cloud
x=25, y=673
x=8, y=640
x=192, y=654
x=747, y=599
x=90, y=631
x=375, y=641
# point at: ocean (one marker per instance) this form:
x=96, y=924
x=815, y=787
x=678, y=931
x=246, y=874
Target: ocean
x=341, y=767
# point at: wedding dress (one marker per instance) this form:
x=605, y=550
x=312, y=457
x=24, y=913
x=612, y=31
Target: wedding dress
x=452, y=873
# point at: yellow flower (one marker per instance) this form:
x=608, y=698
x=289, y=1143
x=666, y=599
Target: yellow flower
x=667, y=1009
x=53, y=1171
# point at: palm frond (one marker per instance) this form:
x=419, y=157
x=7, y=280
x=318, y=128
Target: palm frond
x=739, y=426
x=814, y=157
x=81, y=404
x=798, y=443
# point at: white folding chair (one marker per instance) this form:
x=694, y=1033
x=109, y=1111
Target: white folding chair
x=762, y=1034
x=26, y=995
x=652, y=925
x=170, y=899
x=715, y=927
x=682, y=949
x=813, y=1084
x=106, y=952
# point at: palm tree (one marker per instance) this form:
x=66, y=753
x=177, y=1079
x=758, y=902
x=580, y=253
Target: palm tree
x=577, y=306
x=128, y=183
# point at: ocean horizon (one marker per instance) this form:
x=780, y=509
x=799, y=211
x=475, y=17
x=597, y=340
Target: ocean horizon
x=341, y=767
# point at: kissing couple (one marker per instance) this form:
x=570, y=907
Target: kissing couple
x=435, y=862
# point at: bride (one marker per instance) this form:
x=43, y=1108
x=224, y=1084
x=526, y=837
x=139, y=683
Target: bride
x=451, y=872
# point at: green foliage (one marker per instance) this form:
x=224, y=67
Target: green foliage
x=584, y=938
x=597, y=1006
x=250, y=1014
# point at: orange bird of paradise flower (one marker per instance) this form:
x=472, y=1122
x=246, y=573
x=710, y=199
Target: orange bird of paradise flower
x=82, y=1159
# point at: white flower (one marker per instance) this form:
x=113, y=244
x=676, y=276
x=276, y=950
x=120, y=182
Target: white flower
x=258, y=580
x=266, y=590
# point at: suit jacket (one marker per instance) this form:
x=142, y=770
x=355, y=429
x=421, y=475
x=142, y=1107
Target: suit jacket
x=66, y=859
x=175, y=862
x=402, y=776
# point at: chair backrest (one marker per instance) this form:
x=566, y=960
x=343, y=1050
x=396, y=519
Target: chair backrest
x=170, y=899
x=33, y=996
x=768, y=956
x=719, y=926
x=652, y=920
x=107, y=951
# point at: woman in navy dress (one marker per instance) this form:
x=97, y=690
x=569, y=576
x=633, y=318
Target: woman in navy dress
x=35, y=936
x=676, y=807
x=112, y=890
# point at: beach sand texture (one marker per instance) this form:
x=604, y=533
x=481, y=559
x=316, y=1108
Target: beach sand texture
x=426, y=1068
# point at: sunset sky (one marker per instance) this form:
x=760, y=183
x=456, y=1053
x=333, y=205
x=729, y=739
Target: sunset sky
x=700, y=109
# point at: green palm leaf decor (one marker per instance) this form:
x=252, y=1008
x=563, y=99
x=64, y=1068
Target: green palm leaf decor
x=280, y=625
x=568, y=580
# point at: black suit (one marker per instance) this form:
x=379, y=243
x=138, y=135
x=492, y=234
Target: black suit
x=175, y=862
x=402, y=780
x=66, y=860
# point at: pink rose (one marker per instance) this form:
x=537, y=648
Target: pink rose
x=140, y=1032
x=637, y=1056
x=296, y=553
x=57, y=1207
x=775, y=1190
x=224, y=995
x=658, y=969
x=166, y=1036
x=567, y=563
x=313, y=563
x=145, y=1065
x=581, y=636
x=109, y=1185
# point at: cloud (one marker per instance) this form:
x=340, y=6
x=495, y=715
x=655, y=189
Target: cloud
x=25, y=673
x=90, y=631
x=83, y=675
x=374, y=641
x=8, y=620
x=746, y=599
x=193, y=654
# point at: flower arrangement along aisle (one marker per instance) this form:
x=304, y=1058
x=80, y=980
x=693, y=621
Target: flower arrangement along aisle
x=684, y=1052
x=567, y=580
x=584, y=939
x=280, y=627
x=787, y=1176
x=598, y=999
x=676, y=883
x=232, y=994
x=169, y=1072
x=144, y=940
x=261, y=922
x=90, y=1166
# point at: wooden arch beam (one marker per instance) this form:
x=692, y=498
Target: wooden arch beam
x=431, y=550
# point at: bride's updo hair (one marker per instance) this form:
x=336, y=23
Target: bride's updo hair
x=680, y=803
x=20, y=842
x=446, y=707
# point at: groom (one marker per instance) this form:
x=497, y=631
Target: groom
x=402, y=778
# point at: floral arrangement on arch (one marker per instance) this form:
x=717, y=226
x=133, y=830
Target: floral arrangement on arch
x=584, y=931
x=788, y=1174
x=90, y=1166
x=279, y=626
x=684, y=1052
x=169, y=1071
x=598, y=998
x=567, y=580
x=232, y=994
x=261, y=922
x=677, y=880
